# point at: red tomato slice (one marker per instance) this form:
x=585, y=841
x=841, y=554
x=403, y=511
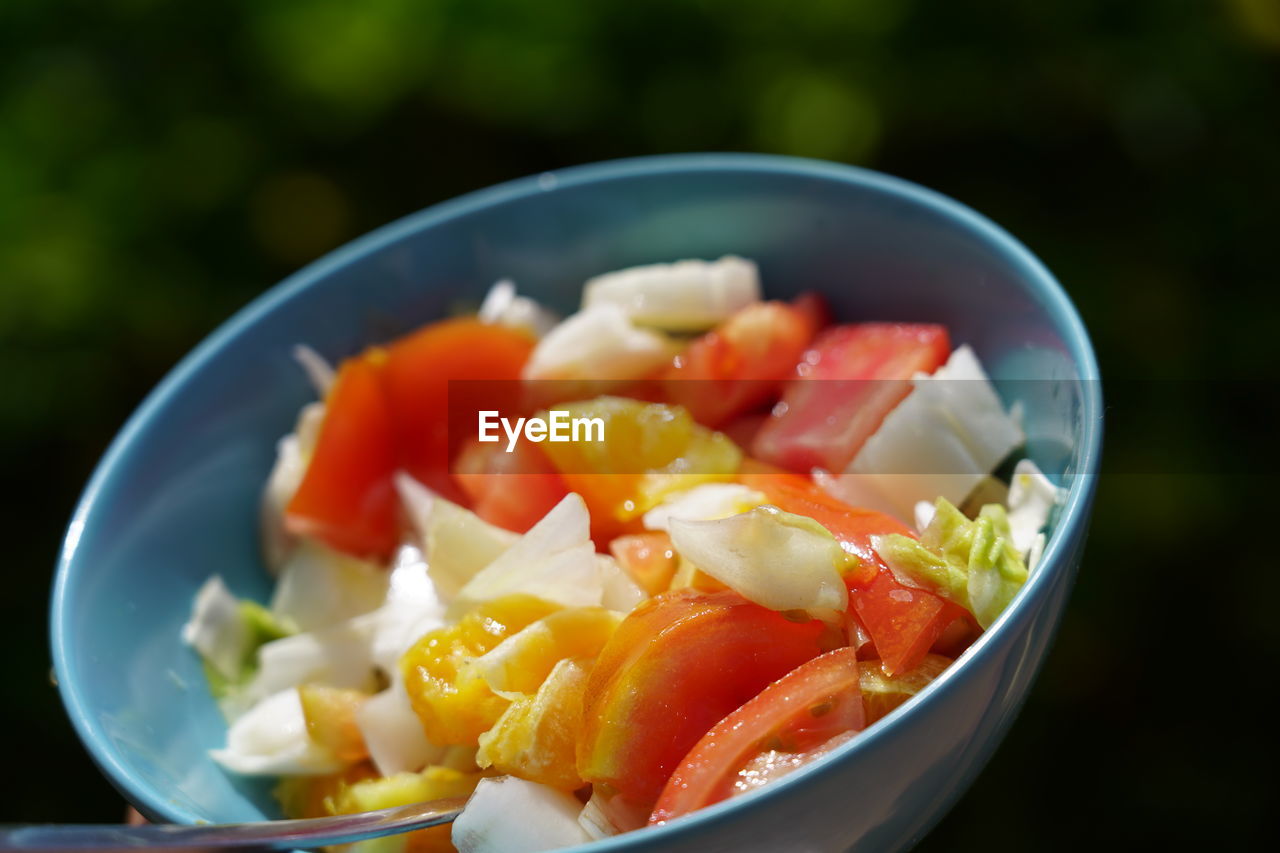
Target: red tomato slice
x=904, y=622
x=429, y=426
x=512, y=490
x=675, y=666
x=823, y=424
x=741, y=364
x=802, y=710
x=347, y=498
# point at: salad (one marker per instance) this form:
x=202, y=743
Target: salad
x=601, y=572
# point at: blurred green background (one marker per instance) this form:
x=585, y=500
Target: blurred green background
x=161, y=163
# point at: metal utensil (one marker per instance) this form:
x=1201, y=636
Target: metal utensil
x=266, y=835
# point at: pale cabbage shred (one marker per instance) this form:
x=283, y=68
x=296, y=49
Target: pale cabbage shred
x=354, y=620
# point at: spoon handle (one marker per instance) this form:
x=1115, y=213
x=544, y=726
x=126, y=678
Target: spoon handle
x=264, y=835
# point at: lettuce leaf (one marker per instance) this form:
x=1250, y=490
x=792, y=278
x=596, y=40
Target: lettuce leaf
x=970, y=562
x=227, y=632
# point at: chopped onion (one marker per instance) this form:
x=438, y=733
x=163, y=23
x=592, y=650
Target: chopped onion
x=411, y=609
x=746, y=552
x=511, y=815
x=941, y=441
x=293, y=453
x=318, y=370
x=272, y=740
x=337, y=657
x=554, y=561
x=687, y=296
x=320, y=587
x=217, y=629
x=703, y=503
x=457, y=542
x=599, y=343
x=394, y=734
x=1032, y=497
x=619, y=591
x=503, y=307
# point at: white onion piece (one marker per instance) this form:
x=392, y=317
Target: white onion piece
x=320, y=587
x=293, y=453
x=618, y=591
x=216, y=628
x=337, y=657
x=554, y=561
x=456, y=541
x=745, y=552
x=511, y=815
x=598, y=343
x=411, y=609
x=1032, y=496
x=593, y=819
x=394, y=734
x=272, y=740
x=949, y=433
x=319, y=372
x=703, y=503
x=502, y=306
x=686, y=296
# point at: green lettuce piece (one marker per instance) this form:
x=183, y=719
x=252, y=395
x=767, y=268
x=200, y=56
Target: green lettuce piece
x=996, y=572
x=970, y=562
x=260, y=627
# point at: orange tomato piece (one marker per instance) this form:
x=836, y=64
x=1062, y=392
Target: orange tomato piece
x=739, y=365
x=675, y=666
x=430, y=423
x=347, y=498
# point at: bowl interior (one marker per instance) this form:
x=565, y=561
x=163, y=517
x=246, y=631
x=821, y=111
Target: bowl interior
x=175, y=499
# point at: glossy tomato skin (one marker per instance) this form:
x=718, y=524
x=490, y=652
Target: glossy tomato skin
x=390, y=409
x=430, y=424
x=904, y=621
x=741, y=364
x=849, y=379
x=512, y=489
x=676, y=666
x=347, y=498
x=805, y=708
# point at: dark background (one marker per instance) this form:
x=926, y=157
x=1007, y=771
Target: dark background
x=161, y=163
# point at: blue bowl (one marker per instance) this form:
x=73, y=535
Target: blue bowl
x=175, y=498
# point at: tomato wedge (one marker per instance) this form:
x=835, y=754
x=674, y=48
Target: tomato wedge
x=347, y=498
x=675, y=666
x=904, y=622
x=429, y=426
x=802, y=710
x=741, y=364
x=512, y=490
x=849, y=380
